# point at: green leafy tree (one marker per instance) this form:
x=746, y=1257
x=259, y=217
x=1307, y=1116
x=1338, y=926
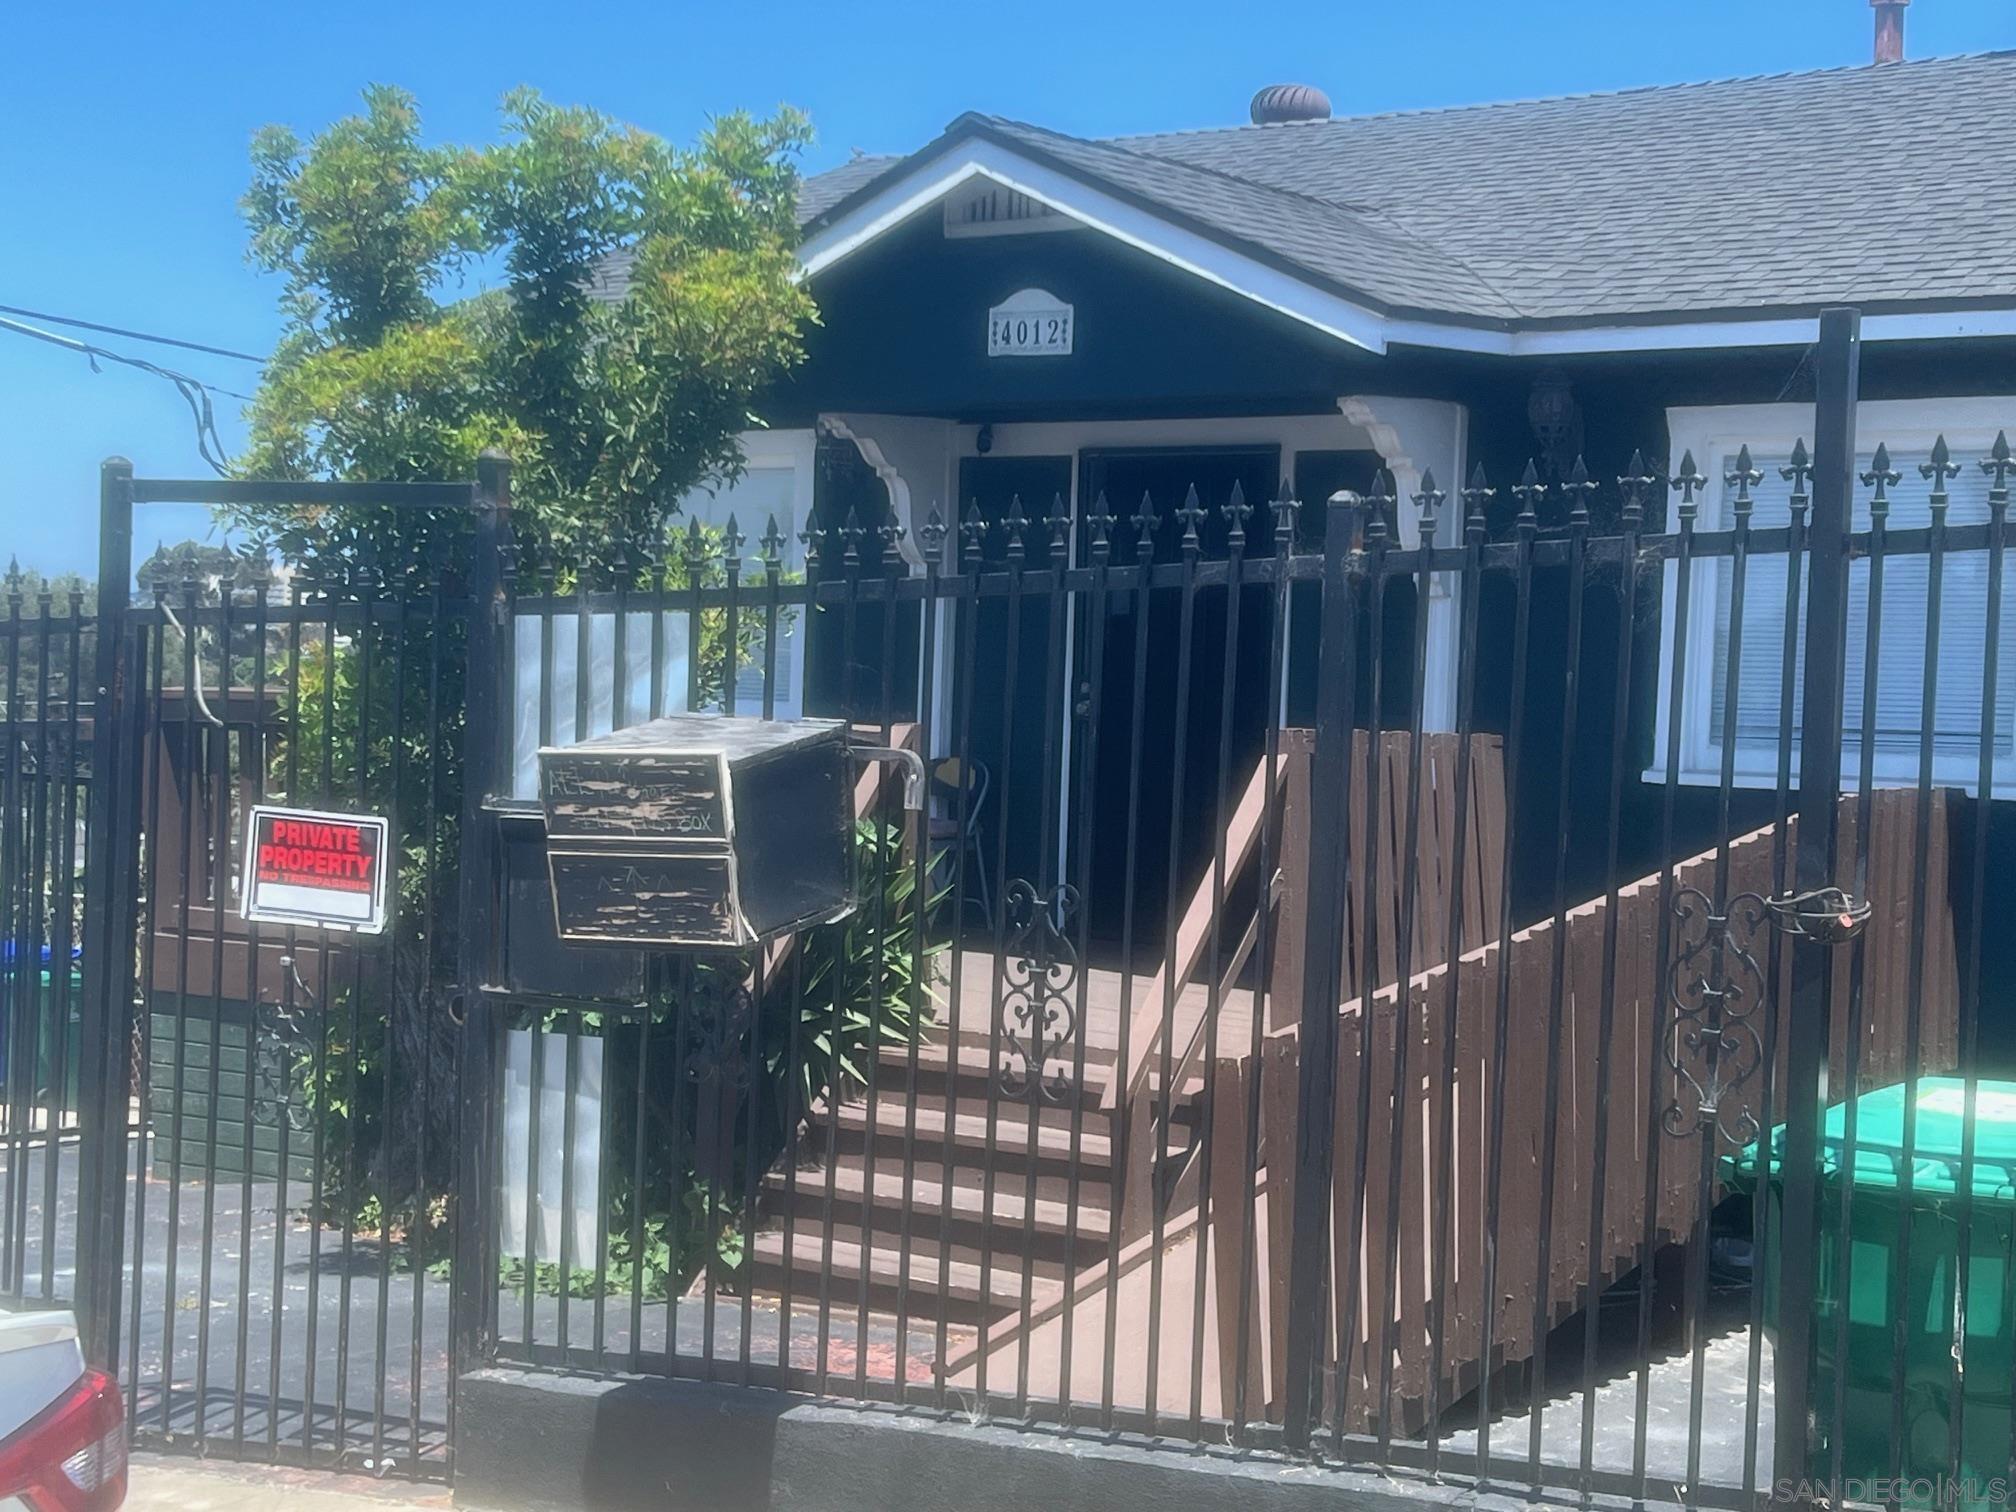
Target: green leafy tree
x=612, y=408
x=612, y=404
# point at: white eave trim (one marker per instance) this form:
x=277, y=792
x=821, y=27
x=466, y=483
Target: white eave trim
x=1198, y=255
x=1936, y=325
x=1330, y=313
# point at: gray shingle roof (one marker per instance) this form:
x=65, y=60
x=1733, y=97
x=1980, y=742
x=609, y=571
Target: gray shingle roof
x=1352, y=246
x=1883, y=185
x=822, y=191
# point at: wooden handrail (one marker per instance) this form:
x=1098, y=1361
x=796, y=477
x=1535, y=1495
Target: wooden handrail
x=1193, y=935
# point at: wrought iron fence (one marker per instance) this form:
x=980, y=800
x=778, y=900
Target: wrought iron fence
x=47, y=640
x=264, y=1227
x=1221, y=1053
x=1044, y=1160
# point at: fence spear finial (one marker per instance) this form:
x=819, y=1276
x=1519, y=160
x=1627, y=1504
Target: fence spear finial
x=972, y=532
x=696, y=551
x=1938, y=470
x=1882, y=477
x=1190, y=512
x=1378, y=504
x=1427, y=502
x=1236, y=510
x=1101, y=522
x=1058, y=522
x=1578, y=488
x=1475, y=498
x=1687, y=483
x=1146, y=522
x=1799, y=473
x=1742, y=477
x=813, y=539
x=1634, y=483
x=1527, y=491
x=931, y=536
x=1998, y=464
x=1287, y=508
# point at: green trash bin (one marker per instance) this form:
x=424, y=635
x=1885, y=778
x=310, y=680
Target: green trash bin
x=1874, y=1223
x=45, y=1070
x=39, y=1027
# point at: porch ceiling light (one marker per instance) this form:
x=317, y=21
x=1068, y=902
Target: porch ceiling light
x=1551, y=409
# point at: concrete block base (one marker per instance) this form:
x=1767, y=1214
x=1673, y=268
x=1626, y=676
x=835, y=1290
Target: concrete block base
x=534, y=1441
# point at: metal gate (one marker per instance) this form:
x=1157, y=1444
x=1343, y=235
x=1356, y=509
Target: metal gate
x=268, y=1235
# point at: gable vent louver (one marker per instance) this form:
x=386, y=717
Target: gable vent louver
x=984, y=208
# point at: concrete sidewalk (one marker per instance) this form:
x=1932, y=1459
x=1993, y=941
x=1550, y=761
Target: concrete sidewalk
x=164, y=1483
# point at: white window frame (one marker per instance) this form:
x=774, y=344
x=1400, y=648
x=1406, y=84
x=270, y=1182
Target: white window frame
x=795, y=451
x=1714, y=434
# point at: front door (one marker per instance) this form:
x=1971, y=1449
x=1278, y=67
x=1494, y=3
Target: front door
x=1160, y=738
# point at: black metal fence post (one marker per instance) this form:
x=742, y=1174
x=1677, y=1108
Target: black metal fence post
x=110, y=901
x=1807, y=1028
x=1316, y=1091
x=486, y=737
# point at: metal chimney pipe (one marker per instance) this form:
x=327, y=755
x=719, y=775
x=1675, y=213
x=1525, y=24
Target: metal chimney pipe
x=1889, y=29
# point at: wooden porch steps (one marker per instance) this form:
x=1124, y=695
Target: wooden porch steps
x=897, y=1235
x=887, y=1273
x=926, y=1200
x=890, y=1123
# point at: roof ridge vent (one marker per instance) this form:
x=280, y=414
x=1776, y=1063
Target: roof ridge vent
x=1279, y=104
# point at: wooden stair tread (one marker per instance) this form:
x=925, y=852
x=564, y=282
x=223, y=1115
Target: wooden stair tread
x=1011, y=1131
x=807, y=1252
x=926, y=1195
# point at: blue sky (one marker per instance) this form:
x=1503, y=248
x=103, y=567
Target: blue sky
x=124, y=125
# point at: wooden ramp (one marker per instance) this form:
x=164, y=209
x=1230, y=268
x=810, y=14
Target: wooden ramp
x=1233, y=1254
x=1642, y=1088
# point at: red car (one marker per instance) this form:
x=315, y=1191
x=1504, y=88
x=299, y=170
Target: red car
x=62, y=1425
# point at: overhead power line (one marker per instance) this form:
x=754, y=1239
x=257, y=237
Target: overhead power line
x=194, y=391
x=112, y=330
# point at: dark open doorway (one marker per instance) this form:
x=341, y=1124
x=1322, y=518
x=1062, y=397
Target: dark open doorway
x=1010, y=701
x=1170, y=763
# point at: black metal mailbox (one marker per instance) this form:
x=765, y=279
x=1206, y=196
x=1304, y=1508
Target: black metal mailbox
x=697, y=831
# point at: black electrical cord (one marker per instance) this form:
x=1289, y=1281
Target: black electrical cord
x=111, y=330
x=194, y=391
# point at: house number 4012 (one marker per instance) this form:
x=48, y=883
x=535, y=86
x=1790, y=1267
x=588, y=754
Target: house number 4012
x=1031, y=323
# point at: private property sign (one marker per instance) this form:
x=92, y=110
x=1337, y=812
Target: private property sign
x=307, y=867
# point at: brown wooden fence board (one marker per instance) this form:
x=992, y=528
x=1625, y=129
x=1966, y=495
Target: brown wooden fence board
x=1640, y=1083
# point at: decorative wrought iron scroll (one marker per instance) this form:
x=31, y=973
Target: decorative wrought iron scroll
x=1040, y=971
x=278, y=1038
x=1716, y=988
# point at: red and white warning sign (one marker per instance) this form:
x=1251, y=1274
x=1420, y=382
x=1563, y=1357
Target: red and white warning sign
x=307, y=867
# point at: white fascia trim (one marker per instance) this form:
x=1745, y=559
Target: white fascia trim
x=1300, y=300
x=1938, y=325
x=1194, y=254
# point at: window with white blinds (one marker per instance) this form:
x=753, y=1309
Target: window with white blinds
x=1896, y=703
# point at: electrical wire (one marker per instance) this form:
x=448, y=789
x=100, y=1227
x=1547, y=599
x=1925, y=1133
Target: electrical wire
x=112, y=330
x=202, y=703
x=194, y=391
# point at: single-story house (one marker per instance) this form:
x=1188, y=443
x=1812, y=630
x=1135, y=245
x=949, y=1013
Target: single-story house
x=1304, y=300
